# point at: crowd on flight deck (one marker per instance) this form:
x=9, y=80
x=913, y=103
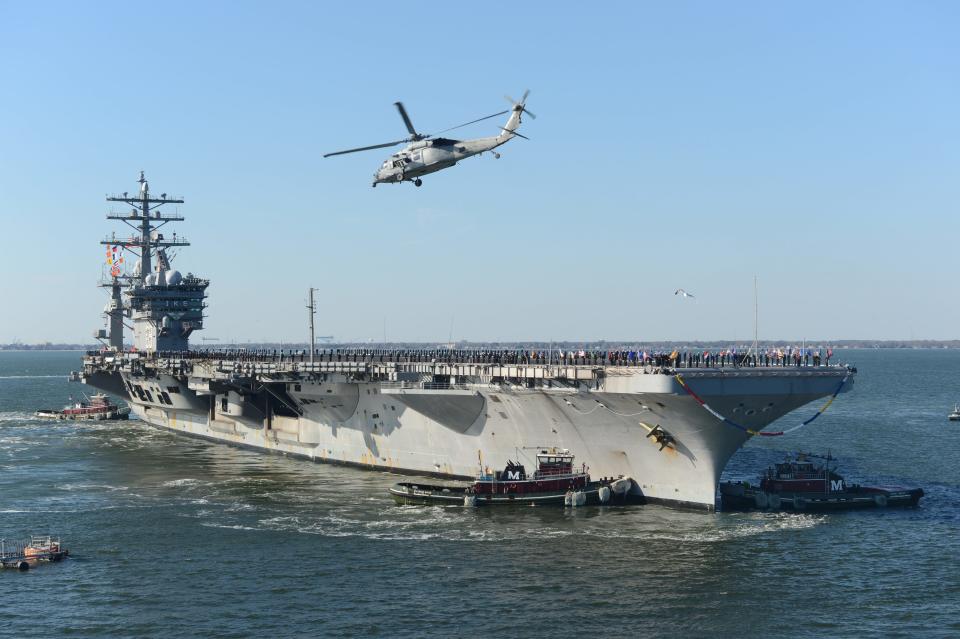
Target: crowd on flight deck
x=677, y=358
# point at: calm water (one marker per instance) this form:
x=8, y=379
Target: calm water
x=176, y=537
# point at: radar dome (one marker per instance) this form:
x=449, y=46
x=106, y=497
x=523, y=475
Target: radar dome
x=173, y=277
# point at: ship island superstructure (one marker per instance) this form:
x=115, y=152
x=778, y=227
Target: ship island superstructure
x=432, y=411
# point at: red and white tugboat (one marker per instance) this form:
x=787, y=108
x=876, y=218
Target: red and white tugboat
x=555, y=482
x=801, y=484
x=99, y=407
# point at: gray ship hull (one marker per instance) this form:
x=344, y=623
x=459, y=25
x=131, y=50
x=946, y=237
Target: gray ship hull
x=610, y=423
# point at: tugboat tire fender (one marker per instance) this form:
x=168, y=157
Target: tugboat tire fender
x=880, y=500
x=760, y=499
x=799, y=503
x=773, y=501
x=604, y=494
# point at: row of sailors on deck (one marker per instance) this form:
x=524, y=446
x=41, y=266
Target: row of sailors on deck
x=791, y=356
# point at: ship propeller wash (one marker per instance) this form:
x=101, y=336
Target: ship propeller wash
x=425, y=412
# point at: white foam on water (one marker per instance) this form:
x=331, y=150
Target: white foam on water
x=180, y=483
x=228, y=527
x=287, y=522
x=22, y=416
x=73, y=487
x=433, y=523
x=758, y=524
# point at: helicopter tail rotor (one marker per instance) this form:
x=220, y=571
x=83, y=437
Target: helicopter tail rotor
x=513, y=123
x=521, y=104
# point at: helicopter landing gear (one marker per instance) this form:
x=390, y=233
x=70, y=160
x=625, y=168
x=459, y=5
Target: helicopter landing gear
x=496, y=155
x=418, y=182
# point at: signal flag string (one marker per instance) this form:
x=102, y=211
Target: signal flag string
x=750, y=431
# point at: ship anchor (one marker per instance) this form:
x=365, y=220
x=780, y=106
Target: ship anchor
x=662, y=437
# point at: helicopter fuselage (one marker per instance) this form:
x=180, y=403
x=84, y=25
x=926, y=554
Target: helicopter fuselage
x=429, y=156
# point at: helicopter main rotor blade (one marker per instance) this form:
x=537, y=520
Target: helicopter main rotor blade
x=365, y=148
x=406, y=119
x=486, y=117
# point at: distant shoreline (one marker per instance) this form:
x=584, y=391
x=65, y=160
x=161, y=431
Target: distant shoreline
x=597, y=345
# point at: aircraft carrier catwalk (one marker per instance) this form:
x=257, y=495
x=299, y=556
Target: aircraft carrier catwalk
x=671, y=429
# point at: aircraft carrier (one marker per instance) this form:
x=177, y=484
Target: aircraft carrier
x=671, y=426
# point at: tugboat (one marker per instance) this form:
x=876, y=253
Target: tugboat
x=99, y=407
x=955, y=415
x=801, y=485
x=555, y=482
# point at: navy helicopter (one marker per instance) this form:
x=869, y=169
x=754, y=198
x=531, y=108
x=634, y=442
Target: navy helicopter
x=430, y=153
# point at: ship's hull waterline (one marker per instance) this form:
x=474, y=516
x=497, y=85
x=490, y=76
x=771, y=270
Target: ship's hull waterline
x=444, y=430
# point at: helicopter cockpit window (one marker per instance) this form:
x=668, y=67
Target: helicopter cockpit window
x=407, y=160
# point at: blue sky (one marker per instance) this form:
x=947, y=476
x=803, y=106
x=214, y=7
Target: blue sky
x=694, y=145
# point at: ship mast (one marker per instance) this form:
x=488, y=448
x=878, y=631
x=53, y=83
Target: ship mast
x=165, y=306
x=140, y=219
x=313, y=311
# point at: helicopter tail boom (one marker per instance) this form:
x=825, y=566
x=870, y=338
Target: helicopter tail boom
x=513, y=123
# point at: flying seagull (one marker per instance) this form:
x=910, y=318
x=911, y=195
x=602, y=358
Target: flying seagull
x=680, y=291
